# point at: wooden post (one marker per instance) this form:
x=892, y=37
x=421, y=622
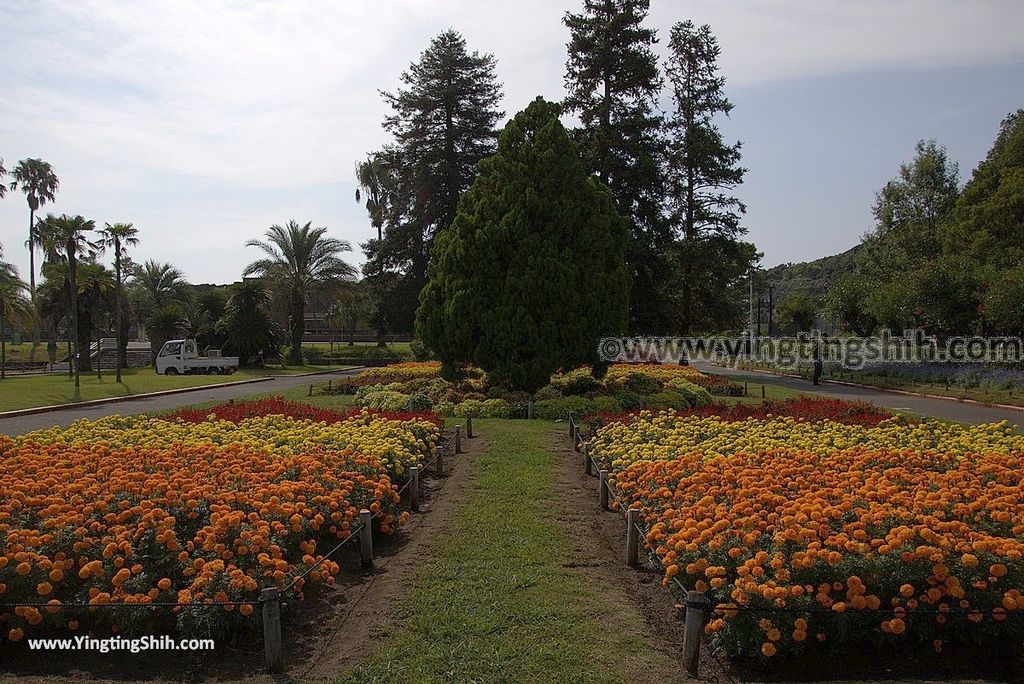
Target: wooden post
x=469, y=427
x=762, y=392
x=576, y=441
x=588, y=463
x=458, y=439
x=529, y=409
x=330, y=384
x=414, y=489
x=693, y=628
x=439, y=463
x=366, y=537
x=572, y=426
x=602, y=489
x=310, y=390
x=744, y=388
x=273, y=654
x=632, y=537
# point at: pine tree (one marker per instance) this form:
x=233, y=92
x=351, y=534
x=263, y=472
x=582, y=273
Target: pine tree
x=532, y=272
x=443, y=122
x=612, y=80
x=703, y=172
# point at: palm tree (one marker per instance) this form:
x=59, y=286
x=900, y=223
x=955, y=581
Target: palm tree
x=374, y=180
x=158, y=284
x=37, y=180
x=3, y=172
x=96, y=295
x=14, y=306
x=117, y=237
x=163, y=323
x=300, y=260
x=71, y=232
x=49, y=242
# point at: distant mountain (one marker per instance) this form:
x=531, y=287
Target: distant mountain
x=810, y=277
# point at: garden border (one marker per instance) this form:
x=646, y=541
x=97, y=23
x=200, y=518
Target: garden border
x=270, y=598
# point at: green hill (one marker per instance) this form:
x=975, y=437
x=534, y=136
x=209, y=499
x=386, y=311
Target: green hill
x=810, y=277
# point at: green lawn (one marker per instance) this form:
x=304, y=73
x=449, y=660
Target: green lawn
x=495, y=601
x=754, y=394
x=28, y=391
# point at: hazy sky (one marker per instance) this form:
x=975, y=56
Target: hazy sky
x=205, y=122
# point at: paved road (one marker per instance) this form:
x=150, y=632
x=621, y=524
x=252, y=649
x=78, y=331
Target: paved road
x=21, y=424
x=941, y=408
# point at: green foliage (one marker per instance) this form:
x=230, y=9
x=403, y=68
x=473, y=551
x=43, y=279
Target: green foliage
x=1002, y=305
x=532, y=272
x=641, y=383
x=613, y=83
x=300, y=260
x=607, y=405
x=797, y=312
x=695, y=395
x=668, y=399
x=704, y=171
x=248, y=330
x=443, y=121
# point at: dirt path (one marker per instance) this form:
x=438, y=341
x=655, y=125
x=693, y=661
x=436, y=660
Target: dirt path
x=599, y=554
x=325, y=634
x=374, y=612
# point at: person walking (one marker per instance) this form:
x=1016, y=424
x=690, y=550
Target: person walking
x=818, y=365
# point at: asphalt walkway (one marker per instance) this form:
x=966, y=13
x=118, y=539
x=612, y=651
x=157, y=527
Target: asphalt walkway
x=963, y=412
x=65, y=416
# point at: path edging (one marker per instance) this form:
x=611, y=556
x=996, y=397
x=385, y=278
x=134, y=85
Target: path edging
x=128, y=397
x=922, y=395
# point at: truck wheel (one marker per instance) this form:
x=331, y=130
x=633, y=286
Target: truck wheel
x=213, y=370
x=171, y=371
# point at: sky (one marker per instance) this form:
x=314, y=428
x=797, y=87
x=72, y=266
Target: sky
x=205, y=122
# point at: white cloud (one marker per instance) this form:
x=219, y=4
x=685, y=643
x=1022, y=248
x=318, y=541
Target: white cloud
x=205, y=121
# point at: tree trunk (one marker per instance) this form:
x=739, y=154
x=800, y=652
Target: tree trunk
x=32, y=271
x=3, y=344
x=298, y=327
x=74, y=313
x=117, y=311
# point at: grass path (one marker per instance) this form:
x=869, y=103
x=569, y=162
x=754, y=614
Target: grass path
x=496, y=602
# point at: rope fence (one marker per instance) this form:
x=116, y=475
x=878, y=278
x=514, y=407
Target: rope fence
x=270, y=598
x=699, y=609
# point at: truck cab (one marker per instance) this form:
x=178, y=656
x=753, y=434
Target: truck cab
x=182, y=356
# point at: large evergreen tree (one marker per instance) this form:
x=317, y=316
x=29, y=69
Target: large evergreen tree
x=532, y=272
x=443, y=120
x=703, y=173
x=612, y=83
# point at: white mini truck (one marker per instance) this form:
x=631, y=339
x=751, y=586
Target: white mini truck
x=180, y=356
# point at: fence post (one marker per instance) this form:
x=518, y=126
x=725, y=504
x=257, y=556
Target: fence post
x=469, y=427
x=588, y=463
x=272, y=652
x=414, y=488
x=693, y=628
x=458, y=439
x=602, y=488
x=366, y=537
x=632, y=537
x=762, y=391
x=529, y=409
x=439, y=463
x=576, y=441
x=310, y=390
x=330, y=384
x=745, y=388
x=572, y=426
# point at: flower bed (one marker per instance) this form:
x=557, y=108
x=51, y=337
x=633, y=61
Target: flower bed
x=806, y=531
x=139, y=510
x=419, y=386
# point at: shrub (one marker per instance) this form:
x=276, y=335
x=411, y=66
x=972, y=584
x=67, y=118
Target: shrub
x=695, y=395
x=629, y=400
x=419, y=402
x=607, y=405
x=497, y=408
x=547, y=392
x=667, y=400
x=641, y=383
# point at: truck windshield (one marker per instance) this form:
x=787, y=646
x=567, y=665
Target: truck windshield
x=171, y=349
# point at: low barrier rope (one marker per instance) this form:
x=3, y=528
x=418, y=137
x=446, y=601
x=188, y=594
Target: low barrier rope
x=722, y=608
x=212, y=603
